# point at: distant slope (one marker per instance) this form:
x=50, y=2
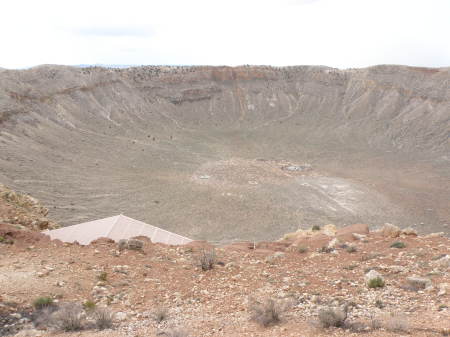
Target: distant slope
x=95, y=141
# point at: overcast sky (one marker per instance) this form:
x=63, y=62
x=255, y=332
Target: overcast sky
x=336, y=33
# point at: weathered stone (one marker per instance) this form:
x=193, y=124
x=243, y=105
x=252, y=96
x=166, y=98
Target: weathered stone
x=444, y=289
x=347, y=233
x=443, y=261
x=418, y=282
x=390, y=230
x=132, y=244
x=409, y=231
x=120, y=316
x=333, y=243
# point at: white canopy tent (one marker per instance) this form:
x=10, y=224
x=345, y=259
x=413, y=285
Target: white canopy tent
x=116, y=228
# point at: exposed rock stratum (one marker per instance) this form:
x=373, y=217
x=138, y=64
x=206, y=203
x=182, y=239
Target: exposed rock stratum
x=225, y=153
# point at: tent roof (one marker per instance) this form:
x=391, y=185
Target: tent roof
x=116, y=228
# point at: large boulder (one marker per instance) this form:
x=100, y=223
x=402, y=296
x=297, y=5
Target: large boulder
x=312, y=242
x=418, y=283
x=346, y=233
x=390, y=231
x=132, y=244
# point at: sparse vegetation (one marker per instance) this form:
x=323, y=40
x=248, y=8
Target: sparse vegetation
x=6, y=240
x=160, y=314
x=89, y=305
x=332, y=317
x=267, y=312
x=369, y=257
x=350, y=267
x=376, y=282
x=379, y=304
x=103, y=276
x=398, y=244
x=103, y=318
x=395, y=322
x=351, y=249
x=315, y=228
x=442, y=307
x=43, y=302
x=325, y=249
x=68, y=318
x=302, y=249
x=207, y=259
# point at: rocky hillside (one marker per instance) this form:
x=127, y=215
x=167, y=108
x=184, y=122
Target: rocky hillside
x=23, y=211
x=202, y=150
x=316, y=282
x=388, y=107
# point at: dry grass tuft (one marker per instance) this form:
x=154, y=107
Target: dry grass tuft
x=103, y=318
x=332, y=317
x=68, y=318
x=207, y=259
x=396, y=322
x=267, y=312
x=160, y=314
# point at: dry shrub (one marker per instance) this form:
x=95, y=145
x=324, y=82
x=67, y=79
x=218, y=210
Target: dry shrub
x=332, y=317
x=103, y=276
x=160, y=314
x=68, y=318
x=395, y=322
x=41, y=317
x=207, y=259
x=375, y=323
x=267, y=312
x=398, y=244
x=103, y=318
x=302, y=249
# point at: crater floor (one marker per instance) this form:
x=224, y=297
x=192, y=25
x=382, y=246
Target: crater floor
x=223, y=154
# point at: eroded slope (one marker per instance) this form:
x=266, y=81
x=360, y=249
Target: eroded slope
x=95, y=142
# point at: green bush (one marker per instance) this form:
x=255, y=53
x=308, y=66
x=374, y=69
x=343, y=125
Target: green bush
x=315, y=228
x=376, y=282
x=43, y=302
x=89, y=305
x=5, y=240
x=398, y=244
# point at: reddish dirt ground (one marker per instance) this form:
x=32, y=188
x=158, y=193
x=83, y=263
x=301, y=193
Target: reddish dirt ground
x=217, y=302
